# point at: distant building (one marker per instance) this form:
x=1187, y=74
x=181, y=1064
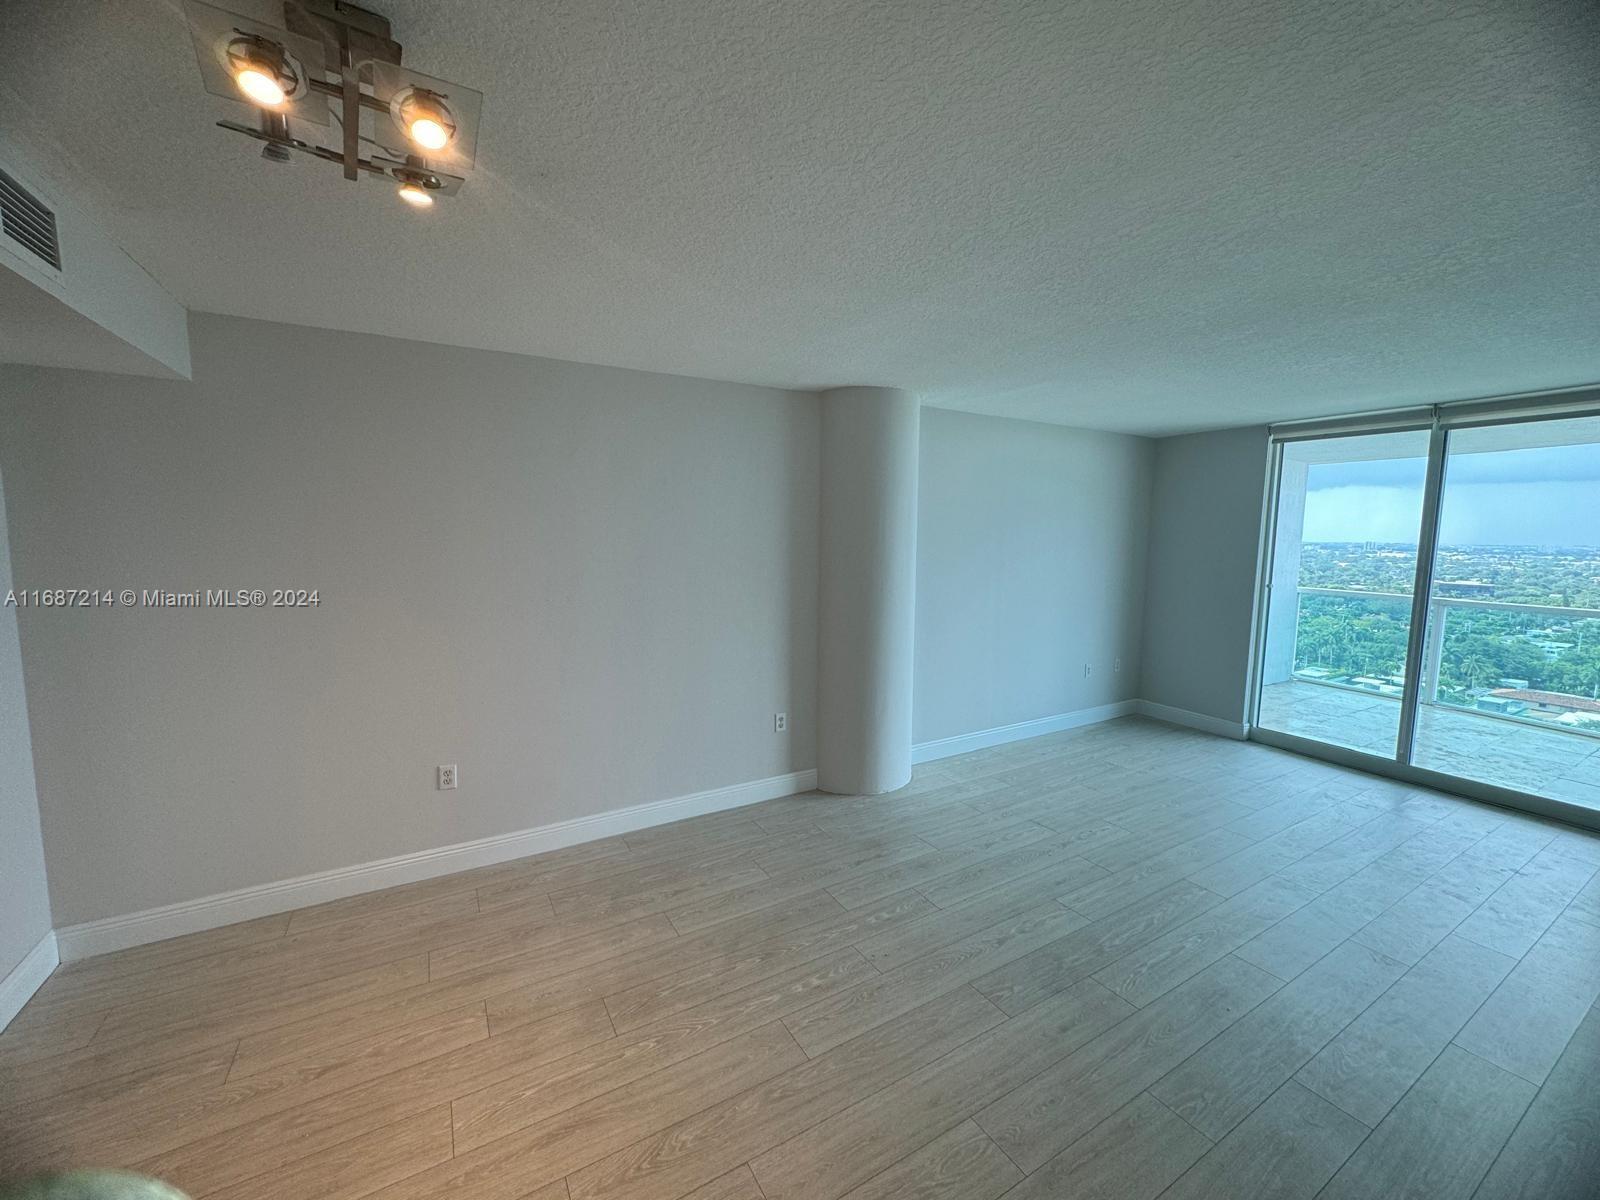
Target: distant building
x=1505, y=706
x=1548, y=703
x=1464, y=588
x=1553, y=650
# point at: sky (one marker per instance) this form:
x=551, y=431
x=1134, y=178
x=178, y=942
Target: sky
x=1544, y=496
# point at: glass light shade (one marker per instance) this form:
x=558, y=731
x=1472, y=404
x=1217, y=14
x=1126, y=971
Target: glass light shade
x=241, y=58
x=427, y=116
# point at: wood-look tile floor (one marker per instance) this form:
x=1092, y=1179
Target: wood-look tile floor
x=1125, y=961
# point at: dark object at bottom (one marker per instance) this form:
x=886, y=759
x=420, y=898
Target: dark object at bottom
x=88, y=1185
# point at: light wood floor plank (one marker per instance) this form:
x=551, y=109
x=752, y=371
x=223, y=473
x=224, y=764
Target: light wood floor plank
x=1526, y=1023
x=138, y=1126
x=545, y=1151
x=264, y=1139
x=871, y=1135
x=1104, y=896
x=614, y=1017
x=1024, y=861
x=690, y=1152
x=1155, y=968
x=929, y=869
x=1299, y=940
x=243, y=1012
x=1131, y=1155
x=1555, y=1152
x=838, y=1019
x=892, y=948
x=1231, y=875
x=1513, y=919
x=160, y=958
x=960, y=1164
x=331, y=1026
x=1057, y=1107
x=721, y=957
x=1025, y=981
x=1218, y=1087
x=521, y=1099
x=357, y=1167
x=1441, y=1138
x=1285, y=1150
x=92, y=1120
x=737, y=1184
x=1368, y=1067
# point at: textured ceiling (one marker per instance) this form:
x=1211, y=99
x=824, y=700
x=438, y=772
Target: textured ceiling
x=1145, y=215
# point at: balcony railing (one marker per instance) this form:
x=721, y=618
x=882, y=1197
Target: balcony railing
x=1439, y=608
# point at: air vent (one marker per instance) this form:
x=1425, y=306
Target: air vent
x=25, y=220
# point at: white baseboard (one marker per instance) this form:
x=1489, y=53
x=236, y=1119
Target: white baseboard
x=984, y=738
x=24, y=979
x=211, y=912
x=1192, y=720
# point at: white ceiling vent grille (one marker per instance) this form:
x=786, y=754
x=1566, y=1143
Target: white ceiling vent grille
x=25, y=220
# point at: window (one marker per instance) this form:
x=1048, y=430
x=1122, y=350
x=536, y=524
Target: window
x=1433, y=600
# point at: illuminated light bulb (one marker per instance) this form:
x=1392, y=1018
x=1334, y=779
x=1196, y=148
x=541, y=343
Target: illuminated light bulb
x=261, y=70
x=260, y=87
x=426, y=119
x=416, y=195
x=429, y=134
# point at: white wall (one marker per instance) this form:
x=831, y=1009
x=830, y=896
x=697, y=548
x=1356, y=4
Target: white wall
x=588, y=587
x=101, y=310
x=1030, y=563
x=1205, y=529
x=24, y=898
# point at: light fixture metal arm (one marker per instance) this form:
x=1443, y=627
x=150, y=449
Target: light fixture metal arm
x=351, y=83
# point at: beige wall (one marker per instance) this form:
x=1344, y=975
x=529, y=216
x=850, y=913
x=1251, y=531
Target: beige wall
x=1030, y=564
x=24, y=898
x=1205, y=528
x=588, y=587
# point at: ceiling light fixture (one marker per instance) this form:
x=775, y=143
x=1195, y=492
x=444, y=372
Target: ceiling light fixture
x=334, y=65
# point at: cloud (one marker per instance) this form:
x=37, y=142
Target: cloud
x=1545, y=513
x=1534, y=465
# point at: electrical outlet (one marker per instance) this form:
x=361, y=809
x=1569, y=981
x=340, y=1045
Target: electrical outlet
x=1117, y=666
x=1087, y=670
x=447, y=777
x=780, y=722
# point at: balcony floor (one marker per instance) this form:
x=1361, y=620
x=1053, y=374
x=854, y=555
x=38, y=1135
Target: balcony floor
x=1546, y=762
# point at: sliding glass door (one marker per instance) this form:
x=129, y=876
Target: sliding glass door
x=1432, y=600
x=1511, y=663
x=1339, y=609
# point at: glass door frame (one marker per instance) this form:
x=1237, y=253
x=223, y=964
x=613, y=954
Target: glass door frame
x=1440, y=421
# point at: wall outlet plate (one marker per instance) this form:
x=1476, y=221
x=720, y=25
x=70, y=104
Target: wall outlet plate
x=447, y=777
x=780, y=722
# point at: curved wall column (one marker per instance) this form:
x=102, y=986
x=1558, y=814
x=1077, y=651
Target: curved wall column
x=867, y=589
